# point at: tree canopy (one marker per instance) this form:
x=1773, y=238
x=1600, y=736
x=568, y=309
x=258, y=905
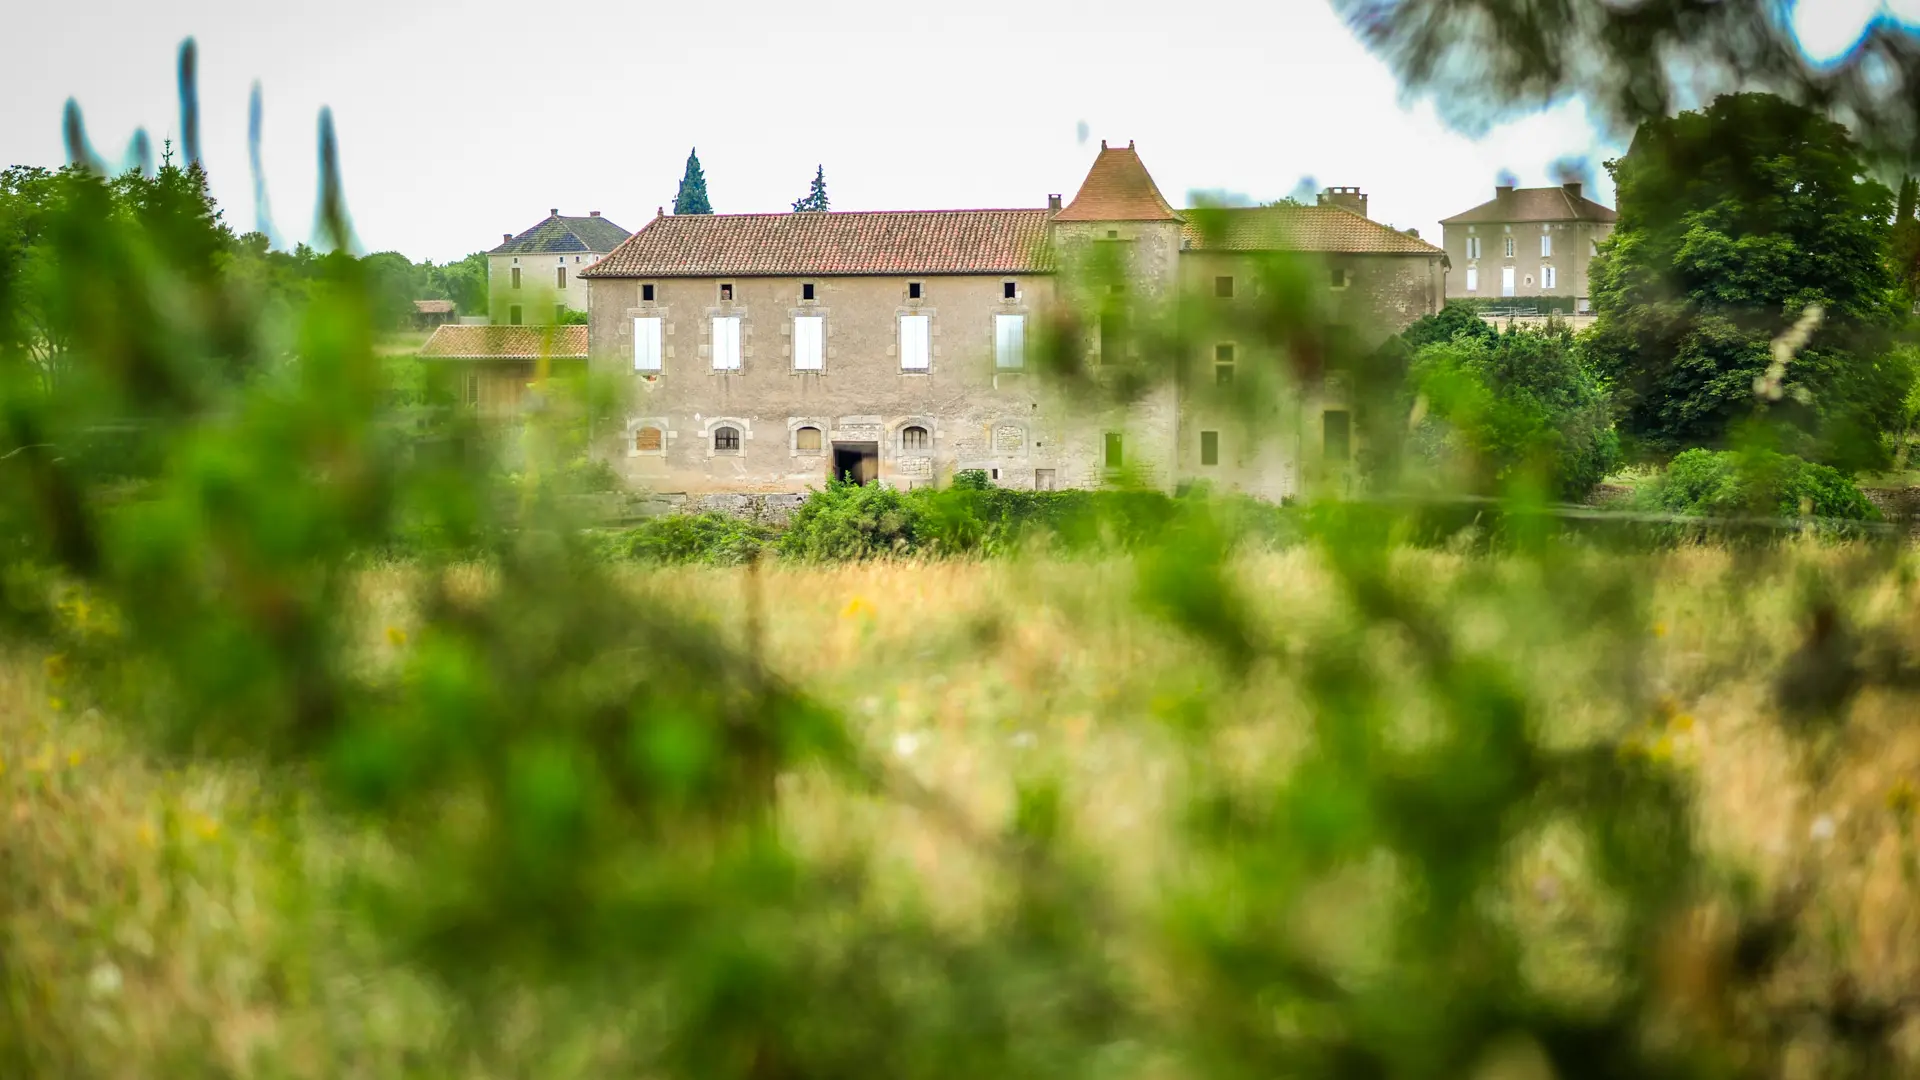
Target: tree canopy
x=1736, y=221
x=692, y=196
x=816, y=196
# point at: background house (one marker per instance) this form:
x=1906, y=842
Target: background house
x=1530, y=247
x=533, y=278
x=490, y=367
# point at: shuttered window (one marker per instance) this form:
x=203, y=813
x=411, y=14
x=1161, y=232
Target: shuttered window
x=646, y=344
x=808, y=345
x=916, y=332
x=726, y=343
x=1010, y=342
x=1473, y=279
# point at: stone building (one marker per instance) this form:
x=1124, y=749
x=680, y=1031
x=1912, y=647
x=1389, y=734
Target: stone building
x=534, y=278
x=767, y=352
x=1527, y=243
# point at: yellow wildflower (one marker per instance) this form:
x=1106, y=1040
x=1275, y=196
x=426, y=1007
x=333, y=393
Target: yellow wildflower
x=74, y=758
x=57, y=704
x=396, y=637
x=856, y=607
x=1682, y=722
x=207, y=827
x=1659, y=629
x=1662, y=749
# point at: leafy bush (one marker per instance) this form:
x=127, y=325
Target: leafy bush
x=1759, y=483
x=1518, y=406
x=711, y=538
x=848, y=521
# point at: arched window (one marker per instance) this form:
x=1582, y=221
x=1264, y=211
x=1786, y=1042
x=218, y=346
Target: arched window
x=647, y=440
x=914, y=438
x=807, y=438
x=726, y=438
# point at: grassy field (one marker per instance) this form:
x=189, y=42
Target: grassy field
x=179, y=919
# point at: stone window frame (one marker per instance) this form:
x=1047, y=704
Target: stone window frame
x=1025, y=427
x=656, y=310
x=933, y=339
x=734, y=309
x=812, y=309
x=713, y=423
x=896, y=436
x=825, y=426
x=635, y=423
x=1018, y=307
x=1019, y=294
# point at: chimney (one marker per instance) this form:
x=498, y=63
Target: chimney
x=1053, y=202
x=1501, y=191
x=1346, y=198
x=506, y=238
x=555, y=212
x=593, y=213
x=1573, y=188
x=659, y=211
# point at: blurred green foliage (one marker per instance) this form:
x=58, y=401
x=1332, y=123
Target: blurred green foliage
x=580, y=802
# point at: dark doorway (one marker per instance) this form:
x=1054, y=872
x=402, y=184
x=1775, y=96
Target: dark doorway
x=858, y=461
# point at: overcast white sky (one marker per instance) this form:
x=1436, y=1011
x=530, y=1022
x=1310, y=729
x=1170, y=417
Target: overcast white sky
x=462, y=121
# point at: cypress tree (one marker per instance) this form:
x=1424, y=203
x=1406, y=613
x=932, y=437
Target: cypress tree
x=816, y=196
x=692, y=198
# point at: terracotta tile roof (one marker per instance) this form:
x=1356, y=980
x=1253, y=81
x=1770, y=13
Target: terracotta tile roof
x=867, y=242
x=433, y=307
x=565, y=234
x=506, y=343
x=1118, y=188
x=1534, y=204
x=1327, y=229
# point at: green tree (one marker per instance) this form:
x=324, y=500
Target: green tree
x=1522, y=406
x=464, y=282
x=1735, y=221
x=692, y=196
x=1458, y=317
x=816, y=196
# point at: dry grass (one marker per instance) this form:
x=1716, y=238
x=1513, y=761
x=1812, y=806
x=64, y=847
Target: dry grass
x=160, y=916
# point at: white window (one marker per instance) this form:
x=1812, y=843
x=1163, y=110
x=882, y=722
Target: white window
x=1506, y=281
x=1473, y=279
x=1010, y=342
x=1546, y=246
x=916, y=332
x=646, y=344
x=809, y=332
x=1473, y=247
x=726, y=343
x=1546, y=277
x=1509, y=247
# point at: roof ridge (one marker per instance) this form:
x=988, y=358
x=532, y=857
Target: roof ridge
x=852, y=213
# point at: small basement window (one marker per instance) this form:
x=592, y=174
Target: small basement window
x=726, y=439
x=914, y=438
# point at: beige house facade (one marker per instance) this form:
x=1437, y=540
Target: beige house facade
x=533, y=278
x=769, y=352
x=1526, y=244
